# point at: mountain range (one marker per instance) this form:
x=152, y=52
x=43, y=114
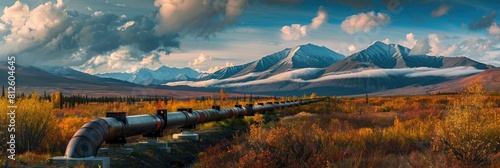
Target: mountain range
x=146, y=76
x=380, y=68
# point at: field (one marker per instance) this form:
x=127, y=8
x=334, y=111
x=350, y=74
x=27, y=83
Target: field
x=454, y=130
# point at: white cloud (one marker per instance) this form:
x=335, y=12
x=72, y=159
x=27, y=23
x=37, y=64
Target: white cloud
x=494, y=29
x=150, y=60
x=320, y=19
x=351, y=48
x=407, y=72
x=200, y=60
x=88, y=8
x=410, y=41
x=297, y=75
x=99, y=60
x=120, y=4
x=293, y=32
x=440, y=11
x=446, y=72
x=125, y=26
x=28, y=28
x=98, y=13
x=120, y=58
x=285, y=76
x=433, y=45
x=297, y=31
x=364, y=22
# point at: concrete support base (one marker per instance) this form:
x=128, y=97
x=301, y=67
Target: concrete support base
x=115, y=149
x=186, y=135
x=61, y=161
x=153, y=141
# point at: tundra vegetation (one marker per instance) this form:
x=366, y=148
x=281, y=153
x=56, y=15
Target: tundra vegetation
x=444, y=130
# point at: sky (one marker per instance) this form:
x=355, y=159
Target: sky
x=102, y=36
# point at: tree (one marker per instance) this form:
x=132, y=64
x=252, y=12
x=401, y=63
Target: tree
x=313, y=95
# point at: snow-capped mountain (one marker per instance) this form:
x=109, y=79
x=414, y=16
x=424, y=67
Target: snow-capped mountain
x=387, y=56
x=302, y=56
x=310, y=68
x=146, y=76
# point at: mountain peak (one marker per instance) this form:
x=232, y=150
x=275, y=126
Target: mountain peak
x=378, y=42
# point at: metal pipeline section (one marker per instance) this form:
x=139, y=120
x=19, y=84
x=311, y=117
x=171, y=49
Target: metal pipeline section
x=89, y=138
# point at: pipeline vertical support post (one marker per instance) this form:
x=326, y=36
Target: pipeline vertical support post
x=185, y=134
x=250, y=110
x=116, y=145
x=153, y=137
x=241, y=107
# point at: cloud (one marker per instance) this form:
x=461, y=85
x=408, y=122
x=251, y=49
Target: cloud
x=98, y=60
x=98, y=13
x=437, y=48
x=433, y=45
x=406, y=72
x=216, y=68
x=150, y=60
x=119, y=58
x=297, y=31
x=293, y=32
x=446, y=72
x=351, y=48
x=422, y=47
x=202, y=59
x=440, y=11
x=299, y=75
x=364, y=22
x=51, y=34
x=214, y=82
x=125, y=26
x=478, y=47
x=483, y=23
x=198, y=18
x=494, y=29
x=320, y=19
x=410, y=41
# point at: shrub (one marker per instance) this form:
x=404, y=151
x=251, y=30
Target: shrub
x=471, y=129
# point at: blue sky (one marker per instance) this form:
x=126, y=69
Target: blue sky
x=99, y=36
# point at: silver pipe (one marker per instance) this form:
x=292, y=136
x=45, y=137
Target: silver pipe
x=89, y=138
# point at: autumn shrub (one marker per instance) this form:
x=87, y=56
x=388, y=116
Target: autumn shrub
x=471, y=130
x=34, y=123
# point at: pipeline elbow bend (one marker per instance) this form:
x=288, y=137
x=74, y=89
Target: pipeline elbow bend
x=88, y=139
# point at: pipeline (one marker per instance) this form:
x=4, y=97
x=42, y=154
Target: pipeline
x=89, y=138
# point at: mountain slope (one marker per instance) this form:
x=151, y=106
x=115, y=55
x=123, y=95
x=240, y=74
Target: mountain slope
x=70, y=73
x=390, y=56
x=302, y=56
x=146, y=76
